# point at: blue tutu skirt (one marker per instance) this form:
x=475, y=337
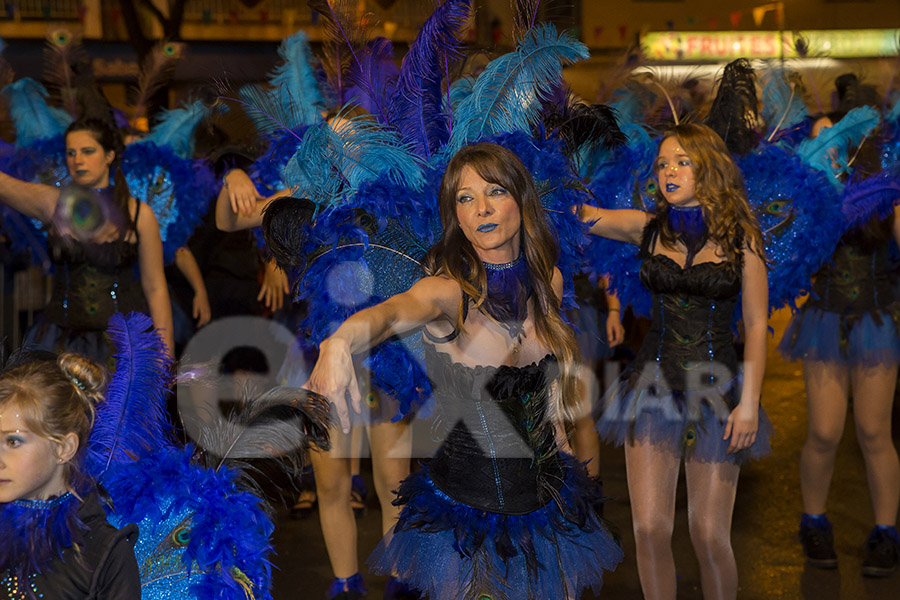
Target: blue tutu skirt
x=685, y=423
x=869, y=339
x=452, y=551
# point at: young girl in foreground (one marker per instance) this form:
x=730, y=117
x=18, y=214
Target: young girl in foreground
x=56, y=541
x=686, y=395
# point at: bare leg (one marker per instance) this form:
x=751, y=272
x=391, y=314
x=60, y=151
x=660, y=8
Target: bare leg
x=335, y=514
x=826, y=393
x=652, y=481
x=391, y=445
x=873, y=398
x=711, y=491
x=586, y=444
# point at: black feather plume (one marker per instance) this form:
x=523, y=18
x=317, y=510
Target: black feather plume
x=582, y=126
x=734, y=111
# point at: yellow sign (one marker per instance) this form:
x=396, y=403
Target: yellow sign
x=729, y=45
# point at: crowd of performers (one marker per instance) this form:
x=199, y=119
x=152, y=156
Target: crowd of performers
x=432, y=219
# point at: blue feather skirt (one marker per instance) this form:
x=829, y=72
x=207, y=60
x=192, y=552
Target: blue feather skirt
x=686, y=424
x=46, y=335
x=451, y=551
x=818, y=335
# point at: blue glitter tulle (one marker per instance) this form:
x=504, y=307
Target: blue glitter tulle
x=871, y=339
x=509, y=286
x=449, y=550
x=660, y=416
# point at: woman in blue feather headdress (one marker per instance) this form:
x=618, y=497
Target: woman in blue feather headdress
x=686, y=396
x=847, y=334
x=100, y=239
x=500, y=508
x=56, y=540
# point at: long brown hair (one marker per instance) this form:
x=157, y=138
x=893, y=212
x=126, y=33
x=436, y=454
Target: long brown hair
x=453, y=255
x=109, y=139
x=719, y=187
x=57, y=398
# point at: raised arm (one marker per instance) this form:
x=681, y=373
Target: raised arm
x=239, y=205
x=33, y=200
x=744, y=419
x=153, y=277
x=624, y=225
x=333, y=376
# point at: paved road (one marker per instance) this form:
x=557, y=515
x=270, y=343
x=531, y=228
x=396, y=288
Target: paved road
x=764, y=533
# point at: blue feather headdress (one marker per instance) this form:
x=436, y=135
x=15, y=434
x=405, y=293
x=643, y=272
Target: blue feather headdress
x=34, y=119
x=829, y=152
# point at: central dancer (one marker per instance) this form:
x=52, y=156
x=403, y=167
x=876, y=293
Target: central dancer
x=500, y=511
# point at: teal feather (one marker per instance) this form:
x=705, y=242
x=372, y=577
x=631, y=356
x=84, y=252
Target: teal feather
x=296, y=86
x=175, y=129
x=34, y=119
x=829, y=152
x=333, y=160
x=781, y=108
x=507, y=95
x=459, y=91
x=893, y=115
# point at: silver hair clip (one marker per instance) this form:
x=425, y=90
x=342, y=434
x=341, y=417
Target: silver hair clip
x=77, y=383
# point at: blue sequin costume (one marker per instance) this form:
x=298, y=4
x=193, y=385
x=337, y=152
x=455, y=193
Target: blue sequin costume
x=501, y=512
x=685, y=379
x=852, y=314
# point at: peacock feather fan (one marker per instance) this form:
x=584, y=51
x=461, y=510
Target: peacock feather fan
x=507, y=94
x=63, y=50
x=132, y=423
x=157, y=68
x=829, y=152
x=415, y=108
x=34, y=119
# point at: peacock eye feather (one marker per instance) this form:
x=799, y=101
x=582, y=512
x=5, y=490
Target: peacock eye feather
x=689, y=437
x=181, y=535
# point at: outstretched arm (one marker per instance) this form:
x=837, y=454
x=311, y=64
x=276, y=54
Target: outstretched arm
x=333, y=375
x=33, y=200
x=744, y=419
x=624, y=225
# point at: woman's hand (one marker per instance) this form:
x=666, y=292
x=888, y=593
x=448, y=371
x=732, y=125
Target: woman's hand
x=274, y=286
x=202, y=311
x=241, y=192
x=741, y=426
x=334, y=376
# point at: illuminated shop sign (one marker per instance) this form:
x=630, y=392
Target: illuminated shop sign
x=728, y=45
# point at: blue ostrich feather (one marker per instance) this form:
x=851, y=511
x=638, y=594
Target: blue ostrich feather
x=296, y=85
x=334, y=160
x=178, y=190
x=459, y=90
x=202, y=534
x=875, y=195
x=372, y=78
x=829, y=152
x=266, y=171
x=34, y=119
x=507, y=95
x=131, y=422
x=175, y=129
x=782, y=105
x=415, y=108
x=799, y=212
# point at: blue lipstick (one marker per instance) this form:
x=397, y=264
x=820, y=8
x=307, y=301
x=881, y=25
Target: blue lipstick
x=671, y=187
x=487, y=227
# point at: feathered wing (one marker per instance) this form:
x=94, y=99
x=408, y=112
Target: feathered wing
x=507, y=95
x=34, y=119
x=416, y=106
x=829, y=152
x=131, y=423
x=733, y=112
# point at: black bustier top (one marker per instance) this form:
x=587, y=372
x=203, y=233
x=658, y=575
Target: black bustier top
x=855, y=282
x=499, y=450
x=690, y=343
